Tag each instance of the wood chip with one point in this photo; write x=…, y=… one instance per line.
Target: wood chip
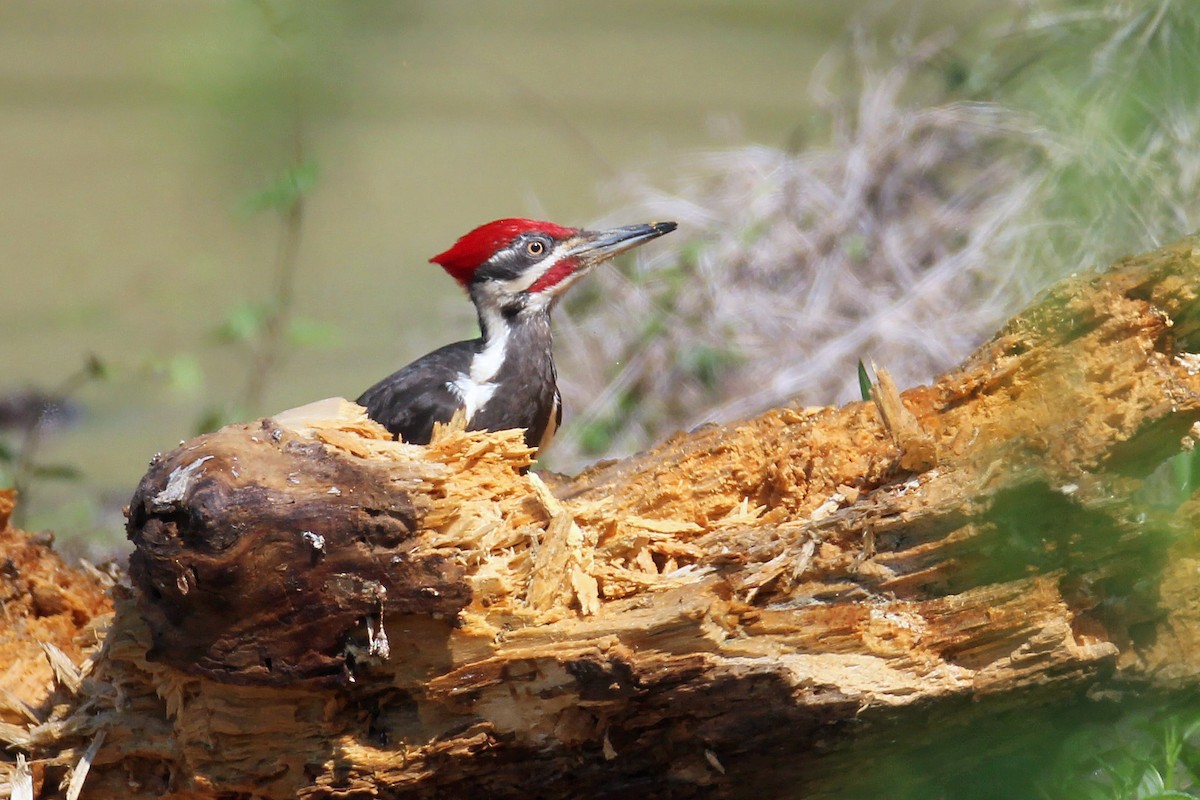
x=80, y=772
x=663, y=525
x=918, y=451
x=65, y=671
x=22, y=779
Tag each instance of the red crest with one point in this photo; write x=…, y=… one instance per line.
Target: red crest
x=474, y=248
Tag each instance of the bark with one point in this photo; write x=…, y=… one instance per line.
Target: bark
x=772, y=607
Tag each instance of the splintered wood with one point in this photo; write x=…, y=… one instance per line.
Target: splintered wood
x=918, y=451
x=528, y=560
x=319, y=611
x=47, y=611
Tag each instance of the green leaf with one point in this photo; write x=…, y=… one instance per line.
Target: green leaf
x=61, y=472
x=595, y=437
x=182, y=373
x=284, y=192
x=244, y=323
x=864, y=381
x=690, y=252
x=855, y=247
x=1183, y=470
x=753, y=232
x=707, y=364
x=96, y=368
x=1191, y=726
x=304, y=332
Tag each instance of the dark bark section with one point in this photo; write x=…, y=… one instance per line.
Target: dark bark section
x=261, y=558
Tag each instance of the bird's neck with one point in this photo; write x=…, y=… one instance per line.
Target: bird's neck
x=511, y=380
x=522, y=331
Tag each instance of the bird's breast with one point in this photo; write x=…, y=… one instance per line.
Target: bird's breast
x=477, y=386
x=510, y=381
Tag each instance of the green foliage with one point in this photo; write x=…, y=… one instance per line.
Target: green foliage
x=181, y=372
x=596, y=435
x=267, y=329
x=94, y=369
x=707, y=364
x=1116, y=89
x=1146, y=755
x=306, y=332
x=59, y=472
x=856, y=247
x=1185, y=473
x=267, y=67
x=864, y=381
x=285, y=192
x=244, y=323
x=248, y=323
x=1173, y=482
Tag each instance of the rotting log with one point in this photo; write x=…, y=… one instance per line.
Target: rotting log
x=317, y=611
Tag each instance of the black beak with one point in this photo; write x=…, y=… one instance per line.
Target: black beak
x=592, y=247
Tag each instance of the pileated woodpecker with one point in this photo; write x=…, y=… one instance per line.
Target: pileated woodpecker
x=513, y=270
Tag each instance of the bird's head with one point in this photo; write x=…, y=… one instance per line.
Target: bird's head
x=522, y=263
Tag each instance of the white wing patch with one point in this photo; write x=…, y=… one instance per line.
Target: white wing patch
x=476, y=387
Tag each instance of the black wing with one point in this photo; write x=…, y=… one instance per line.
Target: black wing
x=409, y=401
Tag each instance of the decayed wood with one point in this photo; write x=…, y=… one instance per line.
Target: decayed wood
x=320, y=612
x=46, y=609
x=259, y=549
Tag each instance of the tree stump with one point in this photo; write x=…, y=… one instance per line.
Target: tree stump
x=776, y=607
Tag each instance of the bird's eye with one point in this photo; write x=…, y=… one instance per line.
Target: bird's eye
x=535, y=248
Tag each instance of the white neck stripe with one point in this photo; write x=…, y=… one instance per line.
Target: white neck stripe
x=476, y=387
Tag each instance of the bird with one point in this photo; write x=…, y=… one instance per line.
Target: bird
x=513, y=270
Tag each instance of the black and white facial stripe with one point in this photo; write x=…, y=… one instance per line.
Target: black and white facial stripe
x=514, y=271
